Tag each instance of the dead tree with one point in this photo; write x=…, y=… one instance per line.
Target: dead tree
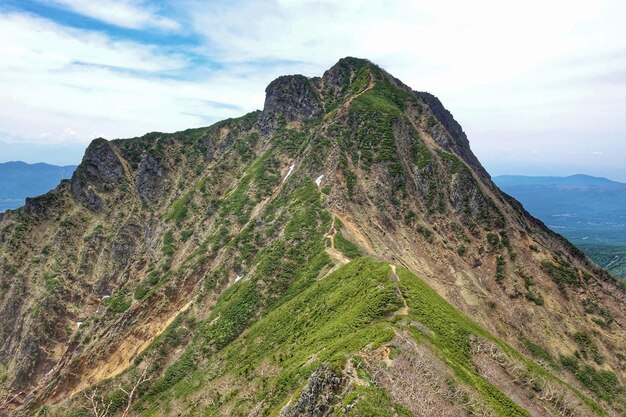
x=143, y=378
x=96, y=404
x=98, y=407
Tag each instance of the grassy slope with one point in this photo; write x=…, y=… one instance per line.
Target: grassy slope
x=330, y=321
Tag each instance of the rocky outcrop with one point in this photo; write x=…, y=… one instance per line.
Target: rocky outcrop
x=337, y=79
x=448, y=133
x=149, y=180
x=318, y=397
x=101, y=167
x=84, y=194
x=292, y=96
x=101, y=162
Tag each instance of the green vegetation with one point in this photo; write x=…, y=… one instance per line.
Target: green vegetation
x=539, y=352
x=605, y=318
x=3, y=374
x=421, y=154
x=561, y=274
x=51, y=282
x=453, y=162
x=346, y=247
x=530, y=294
x=249, y=345
x=263, y=173
x=409, y=217
x=376, y=111
x=245, y=146
x=607, y=255
x=424, y=231
x=500, y=265
x=179, y=209
x=316, y=321
x=587, y=347
x=604, y=384
x=371, y=401
x=117, y=303
x=450, y=333
x=535, y=298
x=168, y=244
x=185, y=235
x=290, y=141
x=493, y=240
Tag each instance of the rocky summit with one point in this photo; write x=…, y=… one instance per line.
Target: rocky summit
x=340, y=253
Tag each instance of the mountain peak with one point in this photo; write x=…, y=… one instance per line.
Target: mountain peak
x=279, y=252
x=299, y=97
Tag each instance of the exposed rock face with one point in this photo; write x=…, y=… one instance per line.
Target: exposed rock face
x=84, y=193
x=337, y=79
x=101, y=168
x=102, y=163
x=293, y=96
x=449, y=134
x=318, y=396
x=150, y=178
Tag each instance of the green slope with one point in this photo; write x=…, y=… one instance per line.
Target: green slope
x=334, y=320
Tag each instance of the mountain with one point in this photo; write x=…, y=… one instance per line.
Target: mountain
x=341, y=252
x=19, y=180
x=589, y=211
x=578, y=180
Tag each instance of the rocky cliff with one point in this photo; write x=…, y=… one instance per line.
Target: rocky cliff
x=341, y=252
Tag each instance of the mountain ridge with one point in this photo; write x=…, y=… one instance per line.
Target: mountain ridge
x=575, y=179
x=171, y=256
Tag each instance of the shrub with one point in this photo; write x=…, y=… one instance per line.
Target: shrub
x=168, y=244
x=346, y=247
x=535, y=298
x=118, y=303
x=500, y=264
x=562, y=275
x=538, y=352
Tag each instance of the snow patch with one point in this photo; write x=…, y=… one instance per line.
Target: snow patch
x=318, y=181
x=289, y=172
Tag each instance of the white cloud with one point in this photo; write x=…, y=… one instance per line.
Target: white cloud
x=130, y=14
x=28, y=42
x=53, y=78
x=519, y=77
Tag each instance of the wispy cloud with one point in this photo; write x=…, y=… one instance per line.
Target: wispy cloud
x=132, y=14
x=532, y=73
x=53, y=77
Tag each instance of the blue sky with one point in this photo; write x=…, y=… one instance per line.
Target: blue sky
x=539, y=87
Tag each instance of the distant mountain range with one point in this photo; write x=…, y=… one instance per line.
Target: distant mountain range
x=19, y=180
x=589, y=211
